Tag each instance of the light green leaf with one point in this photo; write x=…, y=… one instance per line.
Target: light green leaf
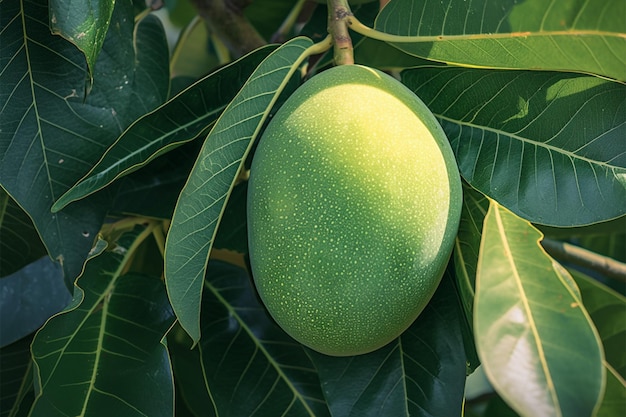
x=84, y=23
x=179, y=120
x=569, y=35
x=251, y=367
x=536, y=342
x=54, y=128
x=203, y=198
x=103, y=355
x=421, y=373
x=548, y=146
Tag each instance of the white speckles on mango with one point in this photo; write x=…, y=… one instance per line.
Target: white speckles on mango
x=354, y=201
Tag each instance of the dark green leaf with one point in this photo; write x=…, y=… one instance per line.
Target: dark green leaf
x=188, y=374
x=179, y=120
x=467, y=245
x=16, y=378
x=84, y=23
x=422, y=373
x=536, y=342
x=159, y=181
x=232, y=233
x=608, y=312
x=202, y=200
x=19, y=242
x=103, y=355
x=548, y=146
x=29, y=297
x=54, y=129
x=252, y=368
x=569, y=35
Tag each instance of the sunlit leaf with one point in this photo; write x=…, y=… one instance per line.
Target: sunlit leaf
x=54, y=128
x=19, y=242
x=571, y=35
x=84, y=23
x=548, y=146
x=179, y=120
x=536, y=342
x=252, y=368
x=201, y=202
x=103, y=355
x=421, y=373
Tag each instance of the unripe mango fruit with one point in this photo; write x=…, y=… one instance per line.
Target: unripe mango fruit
x=353, y=205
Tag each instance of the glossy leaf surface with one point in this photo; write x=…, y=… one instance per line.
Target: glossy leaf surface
x=251, y=367
x=570, y=35
x=536, y=342
x=202, y=200
x=19, y=242
x=179, y=120
x=54, y=128
x=110, y=333
x=548, y=146
x=84, y=23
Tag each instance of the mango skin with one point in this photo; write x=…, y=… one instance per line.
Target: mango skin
x=353, y=205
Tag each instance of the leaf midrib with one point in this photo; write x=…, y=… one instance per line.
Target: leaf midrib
x=531, y=321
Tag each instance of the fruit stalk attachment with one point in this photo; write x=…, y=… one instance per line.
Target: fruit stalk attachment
x=338, y=14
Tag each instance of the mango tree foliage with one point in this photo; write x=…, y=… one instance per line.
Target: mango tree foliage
x=123, y=177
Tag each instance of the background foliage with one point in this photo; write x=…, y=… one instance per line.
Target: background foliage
x=121, y=160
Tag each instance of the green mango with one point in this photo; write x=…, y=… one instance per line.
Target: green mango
x=353, y=206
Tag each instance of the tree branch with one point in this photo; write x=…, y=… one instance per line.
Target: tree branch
x=226, y=19
x=582, y=257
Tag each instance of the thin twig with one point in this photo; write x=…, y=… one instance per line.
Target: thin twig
x=576, y=255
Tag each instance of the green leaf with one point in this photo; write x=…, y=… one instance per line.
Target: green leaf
x=84, y=23
x=536, y=342
x=614, y=402
x=548, y=146
x=103, y=355
x=29, y=297
x=54, y=129
x=251, y=367
x=16, y=378
x=203, y=198
x=569, y=35
x=188, y=374
x=607, y=309
x=608, y=312
x=179, y=120
x=160, y=180
x=466, y=250
x=19, y=242
x=422, y=373
x=467, y=245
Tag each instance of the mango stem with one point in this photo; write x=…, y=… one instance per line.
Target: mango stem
x=338, y=14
